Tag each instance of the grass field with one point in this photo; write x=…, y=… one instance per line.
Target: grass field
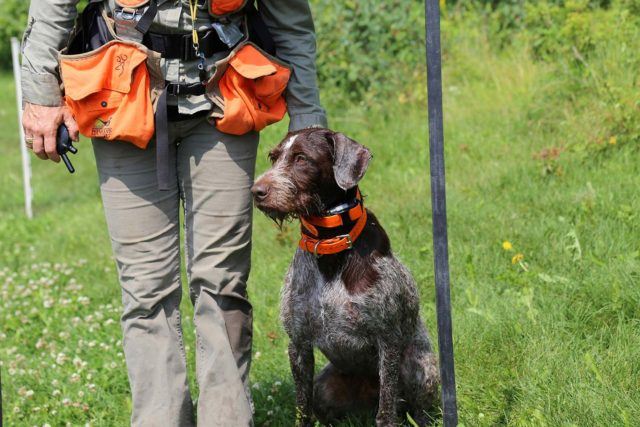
x=545, y=257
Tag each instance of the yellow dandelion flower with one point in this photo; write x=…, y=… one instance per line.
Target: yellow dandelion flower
x=517, y=258
x=613, y=140
x=507, y=246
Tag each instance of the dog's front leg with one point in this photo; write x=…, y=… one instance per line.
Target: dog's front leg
x=388, y=369
x=301, y=360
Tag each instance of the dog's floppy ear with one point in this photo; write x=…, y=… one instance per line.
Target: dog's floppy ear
x=350, y=160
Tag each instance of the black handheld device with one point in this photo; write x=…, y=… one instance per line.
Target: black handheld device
x=64, y=144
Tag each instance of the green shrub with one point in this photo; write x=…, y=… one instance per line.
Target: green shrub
x=367, y=48
x=13, y=20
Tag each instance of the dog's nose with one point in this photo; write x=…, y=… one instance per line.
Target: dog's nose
x=260, y=191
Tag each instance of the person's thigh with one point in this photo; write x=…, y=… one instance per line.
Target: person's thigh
x=143, y=223
x=216, y=173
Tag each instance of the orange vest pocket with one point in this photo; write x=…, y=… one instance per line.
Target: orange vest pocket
x=224, y=7
x=131, y=3
x=252, y=88
x=108, y=92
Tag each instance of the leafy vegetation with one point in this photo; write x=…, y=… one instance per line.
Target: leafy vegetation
x=541, y=111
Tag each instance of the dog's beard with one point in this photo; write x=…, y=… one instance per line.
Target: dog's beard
x=279, y=218
x=308, y=205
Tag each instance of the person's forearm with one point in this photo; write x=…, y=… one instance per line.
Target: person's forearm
x=291, y=25
x=49, y=26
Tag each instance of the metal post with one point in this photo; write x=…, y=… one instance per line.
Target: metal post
x=26, y=160
x=439, y=207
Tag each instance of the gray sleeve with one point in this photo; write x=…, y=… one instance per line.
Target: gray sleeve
x=291, y=26
x=49, y=26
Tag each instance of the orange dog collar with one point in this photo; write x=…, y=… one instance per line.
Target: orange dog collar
x=311, y=241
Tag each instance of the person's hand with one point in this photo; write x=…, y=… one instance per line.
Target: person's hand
x=41, y=124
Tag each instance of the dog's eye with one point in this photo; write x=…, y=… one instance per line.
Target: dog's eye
x=300, y=158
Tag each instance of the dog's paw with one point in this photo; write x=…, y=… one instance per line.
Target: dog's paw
x=302, y=419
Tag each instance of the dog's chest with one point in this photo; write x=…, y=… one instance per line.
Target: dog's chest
x=324, y=312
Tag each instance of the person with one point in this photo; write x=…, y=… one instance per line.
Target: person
x=211, y=173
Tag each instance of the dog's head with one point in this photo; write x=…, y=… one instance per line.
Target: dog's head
x=311, y=170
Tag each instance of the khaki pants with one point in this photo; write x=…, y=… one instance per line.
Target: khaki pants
x=212, y=175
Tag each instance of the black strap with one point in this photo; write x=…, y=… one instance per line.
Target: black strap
x=147, y=17
x=439, y=207
x=185, y=89
x=258, y=31
x=162, y=143
x=180, y=46
x=163, y=115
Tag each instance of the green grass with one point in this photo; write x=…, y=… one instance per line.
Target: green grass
x=552, y=339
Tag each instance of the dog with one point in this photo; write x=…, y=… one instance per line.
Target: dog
x=345, y=292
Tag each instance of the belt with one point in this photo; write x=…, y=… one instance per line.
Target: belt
x=180, y=46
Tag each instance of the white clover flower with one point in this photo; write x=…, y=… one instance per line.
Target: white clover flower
x=61, y=358
x=256, y=386
x=277, y=384
x=257, y=355
x=77, y=362
x=75, y=377
x=56, y=392
x=40, y=344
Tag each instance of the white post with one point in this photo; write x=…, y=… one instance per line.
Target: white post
x=26, y=159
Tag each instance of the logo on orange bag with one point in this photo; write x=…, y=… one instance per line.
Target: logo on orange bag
x=121, y=60
x=101, y=128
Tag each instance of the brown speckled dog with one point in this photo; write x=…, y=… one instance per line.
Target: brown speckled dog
x=359, y=306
